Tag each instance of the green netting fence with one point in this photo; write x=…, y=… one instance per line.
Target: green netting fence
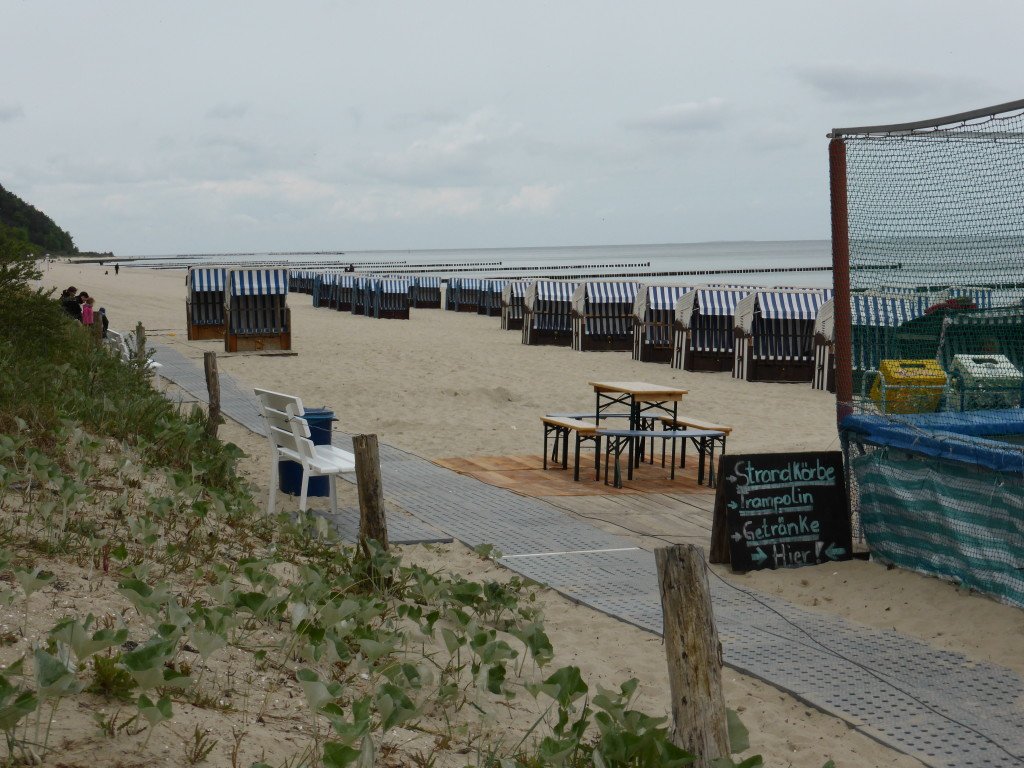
x=928, y=239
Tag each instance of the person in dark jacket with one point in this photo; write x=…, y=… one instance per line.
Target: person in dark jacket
x=69, y=300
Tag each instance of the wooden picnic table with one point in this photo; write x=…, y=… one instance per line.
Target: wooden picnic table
x=640, y=397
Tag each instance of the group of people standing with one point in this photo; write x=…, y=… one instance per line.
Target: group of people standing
x=80, y=306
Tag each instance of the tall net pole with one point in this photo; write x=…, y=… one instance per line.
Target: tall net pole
x=841, y=277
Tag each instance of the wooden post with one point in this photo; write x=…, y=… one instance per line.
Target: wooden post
x=372, y=523
x=213, y=389
x=699, y=722
x=140, y=342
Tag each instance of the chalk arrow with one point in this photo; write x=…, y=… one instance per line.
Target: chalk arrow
x=731, y=478
x=835, y=552
x=733, y=505
x=759, y=556
x=736, y=537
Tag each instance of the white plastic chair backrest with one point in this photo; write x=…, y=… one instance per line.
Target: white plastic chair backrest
x=288, y=432
x=279, y=410
x=279, y=401
x=300, y=431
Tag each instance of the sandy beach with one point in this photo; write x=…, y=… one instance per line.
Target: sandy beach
x=448, y=384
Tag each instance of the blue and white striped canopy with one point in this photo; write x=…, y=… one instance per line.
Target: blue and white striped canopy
x=428, y=282
x=495, y=286
x=518, y=288
x=982, y=297
x=469, y=283
x=719, y=303
x=259, y=282
x=886, y=311
x=553, y=290
x=391, y=286
x=207, y=278
x=791, y=306
x=661, y=297
x=612, y=293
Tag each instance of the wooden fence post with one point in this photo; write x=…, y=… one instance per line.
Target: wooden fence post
x=140, y=342
x=699, y=722
x=213, y=388
x=372, y=524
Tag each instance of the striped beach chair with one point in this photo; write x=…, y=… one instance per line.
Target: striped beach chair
x=602, y=315
x=774, y=334
x=256, y=308
x=490, y=298
x=653, y=317
x=361, y=295
x=204, y=305
x=464, y=294
x=824, y=348
x=388, y=298
x=426, y=292
x=512, y=304
x=702, y=334
x=547, y=312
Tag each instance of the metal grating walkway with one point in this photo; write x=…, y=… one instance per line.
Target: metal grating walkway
x=936, y=705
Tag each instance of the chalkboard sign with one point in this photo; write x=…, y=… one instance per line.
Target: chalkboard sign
x=780, y=510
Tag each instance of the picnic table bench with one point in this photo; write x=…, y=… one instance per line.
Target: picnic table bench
x=620, y=440
x=561, y=427
x=690, y=422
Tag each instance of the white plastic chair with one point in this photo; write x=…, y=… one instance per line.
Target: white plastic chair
x=288, y=434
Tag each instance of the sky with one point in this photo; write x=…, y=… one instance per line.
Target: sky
x=151, y=128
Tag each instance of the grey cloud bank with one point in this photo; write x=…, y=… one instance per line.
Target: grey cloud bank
x=151, y=129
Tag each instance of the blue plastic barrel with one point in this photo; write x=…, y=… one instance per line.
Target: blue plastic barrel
x=320, y=422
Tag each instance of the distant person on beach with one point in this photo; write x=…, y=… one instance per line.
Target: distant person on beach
x=350, y=268
x=117, y=268
x=87, y=311
x=69, y=300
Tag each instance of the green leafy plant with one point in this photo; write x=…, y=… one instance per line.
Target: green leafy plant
x=111, y=679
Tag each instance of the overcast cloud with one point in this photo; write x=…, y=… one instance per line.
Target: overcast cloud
x=156, y=128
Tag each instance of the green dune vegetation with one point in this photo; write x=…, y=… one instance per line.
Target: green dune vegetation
x=149, y=612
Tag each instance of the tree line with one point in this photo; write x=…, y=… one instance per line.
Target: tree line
x=26, y=226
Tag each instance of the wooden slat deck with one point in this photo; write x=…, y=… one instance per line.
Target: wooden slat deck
x=650, y=509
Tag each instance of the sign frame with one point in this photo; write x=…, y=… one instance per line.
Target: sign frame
x=781, y=510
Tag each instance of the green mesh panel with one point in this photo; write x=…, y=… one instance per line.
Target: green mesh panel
x=935, y=222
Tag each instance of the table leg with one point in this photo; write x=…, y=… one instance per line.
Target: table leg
x=618, y=466
x=701, y=448
x=545, y=453
x=576, y=460
x=633, y=421
x=672, y=472
x=565, y=449
x=597, y=458
x=711, y=457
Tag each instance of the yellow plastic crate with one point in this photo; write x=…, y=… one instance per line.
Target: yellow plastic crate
x=908, y=386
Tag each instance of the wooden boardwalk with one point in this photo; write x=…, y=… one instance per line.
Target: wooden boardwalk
x=652, y=509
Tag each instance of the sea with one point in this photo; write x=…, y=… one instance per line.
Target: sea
x=783, y=263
